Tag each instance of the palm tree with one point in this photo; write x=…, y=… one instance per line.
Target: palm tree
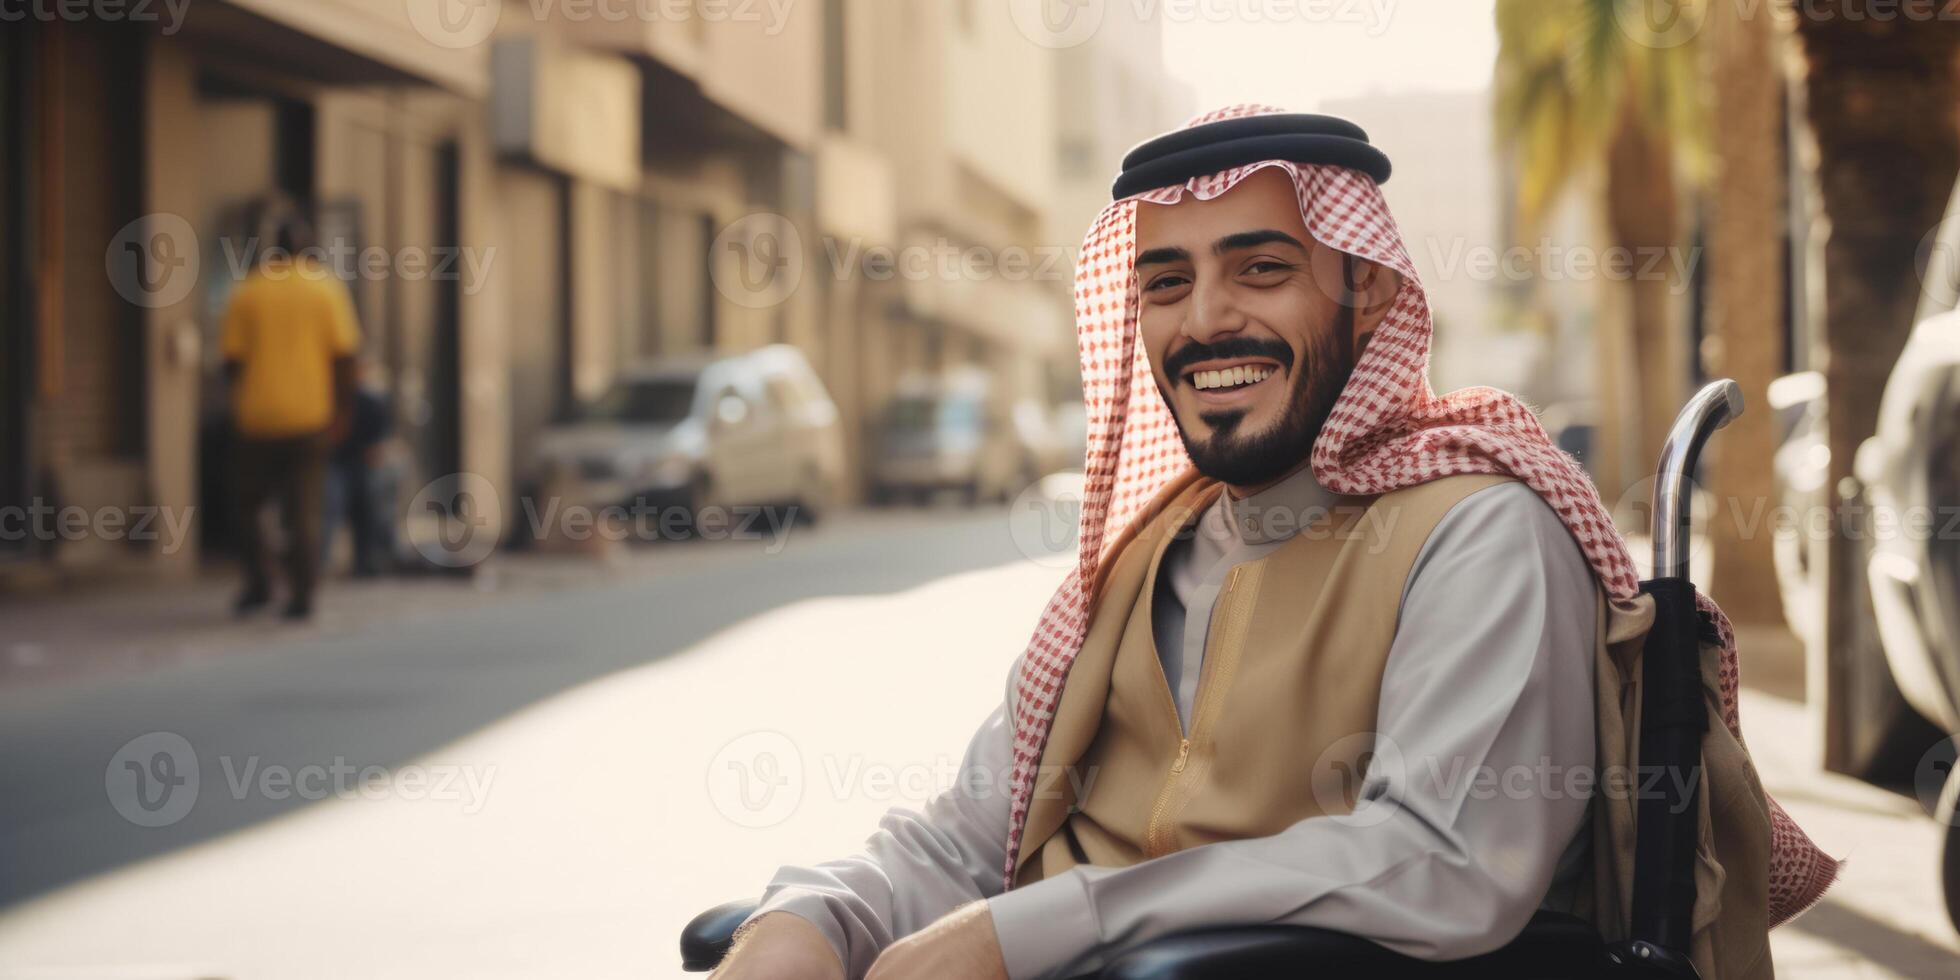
x=1581, y=88
x=1880, y=93
x=1745, y=298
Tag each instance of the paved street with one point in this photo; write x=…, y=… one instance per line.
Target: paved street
x=561, y=776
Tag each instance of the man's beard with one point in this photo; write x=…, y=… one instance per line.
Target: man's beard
x=1314, y=386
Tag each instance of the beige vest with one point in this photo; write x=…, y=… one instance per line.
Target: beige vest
x=1244, y=769
x=1287, y=701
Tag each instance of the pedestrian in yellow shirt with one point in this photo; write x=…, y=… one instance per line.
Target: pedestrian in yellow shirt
x=289, y=342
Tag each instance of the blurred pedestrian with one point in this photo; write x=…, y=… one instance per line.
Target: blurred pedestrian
x=289, y=341
x=353, y=476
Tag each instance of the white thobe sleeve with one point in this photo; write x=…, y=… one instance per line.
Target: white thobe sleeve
x=919, y=865
x=1490, y=672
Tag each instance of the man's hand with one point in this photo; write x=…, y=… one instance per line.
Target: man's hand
x=780, y=946
x=960, y=946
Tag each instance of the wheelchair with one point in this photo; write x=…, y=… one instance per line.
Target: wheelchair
x=1553, y=945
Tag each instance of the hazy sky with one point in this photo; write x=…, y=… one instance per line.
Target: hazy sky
x=1296, y=53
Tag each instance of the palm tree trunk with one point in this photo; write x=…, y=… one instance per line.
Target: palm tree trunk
x=1745, y=303
x=1640, y=208
x=1881, y=93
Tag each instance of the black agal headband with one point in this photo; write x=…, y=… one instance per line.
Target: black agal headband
x=1300, y=137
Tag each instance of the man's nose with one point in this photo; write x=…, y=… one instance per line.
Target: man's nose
x=1215, y=314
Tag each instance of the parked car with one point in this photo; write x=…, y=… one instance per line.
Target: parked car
x=1910, y=471
x=754, y=429
x=958, y=433
x=1899, y=683
x=1883, y=736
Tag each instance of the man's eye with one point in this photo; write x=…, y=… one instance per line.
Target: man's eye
x=1263, y=266
x=1164, y=282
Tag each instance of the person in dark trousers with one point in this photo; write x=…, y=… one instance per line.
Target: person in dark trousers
x=289, y=340
x=351, y=492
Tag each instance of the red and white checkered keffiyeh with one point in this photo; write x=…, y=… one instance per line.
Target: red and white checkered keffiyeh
x=1388, y=430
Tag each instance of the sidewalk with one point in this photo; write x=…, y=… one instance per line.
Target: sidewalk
x=69, y=625
x=1884, y=918
x=65, y=630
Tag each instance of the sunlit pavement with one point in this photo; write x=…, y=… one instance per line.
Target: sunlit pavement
x=590, y=718
x=563, y=771
x=1884, y=918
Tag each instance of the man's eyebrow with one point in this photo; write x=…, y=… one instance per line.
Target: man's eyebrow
x=1233, y=242
x=1254, y=239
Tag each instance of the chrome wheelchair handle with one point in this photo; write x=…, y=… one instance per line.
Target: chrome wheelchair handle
x=1717, y=404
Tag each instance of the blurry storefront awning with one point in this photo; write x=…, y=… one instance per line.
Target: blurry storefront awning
x=567, y=110
x=351, y=41
x=762, y=63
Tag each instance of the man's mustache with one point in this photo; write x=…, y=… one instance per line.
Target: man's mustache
x=1197, y=352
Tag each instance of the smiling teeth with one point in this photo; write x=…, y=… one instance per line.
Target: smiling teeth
x=1230, y=377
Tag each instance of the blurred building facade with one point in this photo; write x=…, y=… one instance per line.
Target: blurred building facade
x=1111, y=93
x=534, y=195
x=1451, y=225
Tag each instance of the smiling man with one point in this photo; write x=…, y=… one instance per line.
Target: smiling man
x=1331, y=664
x=1264, y=313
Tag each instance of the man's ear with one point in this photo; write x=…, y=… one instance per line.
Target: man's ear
x=1374, y=289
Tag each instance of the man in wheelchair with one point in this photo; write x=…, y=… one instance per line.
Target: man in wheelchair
x=1343, y=658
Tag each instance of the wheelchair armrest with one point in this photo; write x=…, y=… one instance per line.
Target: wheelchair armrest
x=709, y=935
x=1552, y=947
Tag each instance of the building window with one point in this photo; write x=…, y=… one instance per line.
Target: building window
x=705, y=305
x=676, y=283
x=836, y=95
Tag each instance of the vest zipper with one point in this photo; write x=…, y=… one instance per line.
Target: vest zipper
x=1158, y=837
